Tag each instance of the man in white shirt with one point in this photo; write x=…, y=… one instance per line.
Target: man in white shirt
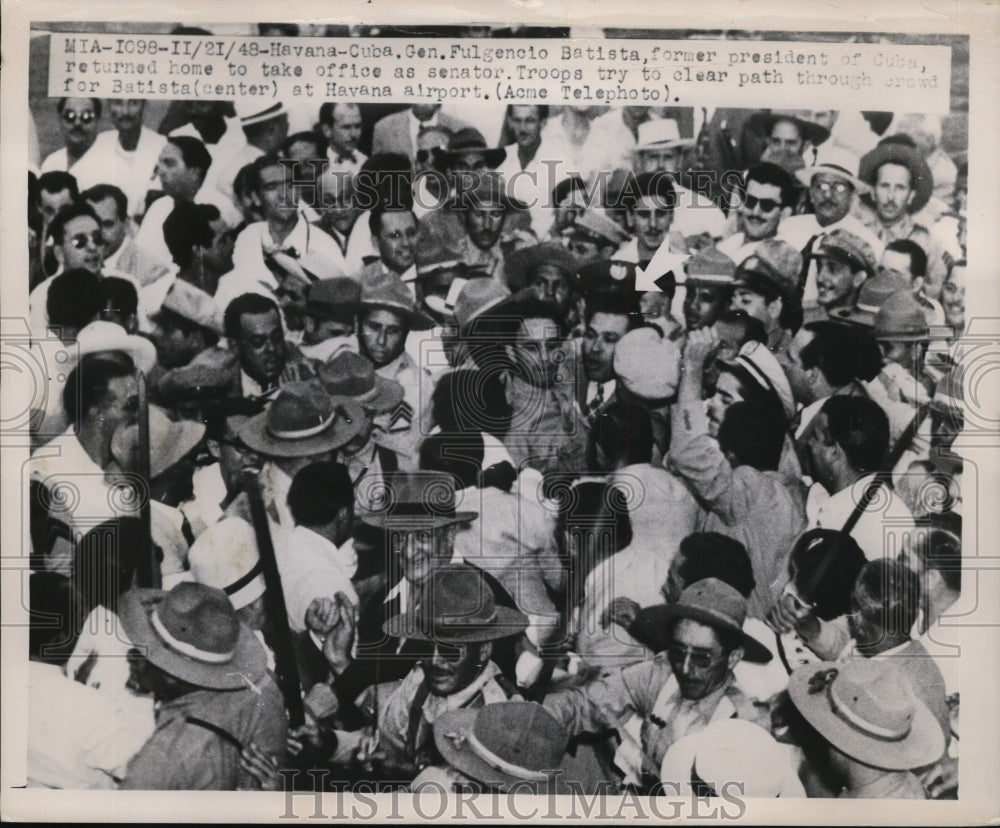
x=182, y=169
x=340, y=124
x=398, y=132
x=766, y=200
x=525, y=172
x=125, y=156
x=265, y=126
x=284, y=253
x=78, y=119
x=221, y=135
x=841, y=450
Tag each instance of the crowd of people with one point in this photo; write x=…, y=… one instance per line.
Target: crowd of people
x=514, y=448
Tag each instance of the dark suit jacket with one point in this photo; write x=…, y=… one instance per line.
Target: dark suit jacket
x=392, y=133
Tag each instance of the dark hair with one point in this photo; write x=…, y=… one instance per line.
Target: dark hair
x=99, y=192
x=87, y=384
x=385, y=178
x=261, y=163
x=61, y=105
x=55, y=181
x=593, y=507
x=918, y=256
x=457, y=454
x=375, y=217
x=286, y=29
x=655, y=185
x=193, y=152
x=888, y=591
x=74, y=298
x=253, y=304
x=319, y=491
x=750, y=389
x=860, y=427
x=309, y=137
x=753, y=329
x=832, y=595
x=57, y=227
x=765, y=172
x=941, y=551
x=531, y=307
x=467, y=401
x=189, y=226
x=622, y=431
x=105, y=561
x=326, y=111
x=120, y=294
x=615, y=303
x=755, y=433
x=543, y=110
x=714, y=555
x=55, y=619
x=841, y=352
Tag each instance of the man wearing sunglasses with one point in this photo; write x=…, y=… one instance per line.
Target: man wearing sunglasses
x=768, y=194
x=681, y=691
x=78, y=119
x=77, y=244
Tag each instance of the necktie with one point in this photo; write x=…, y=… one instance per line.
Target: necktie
x=594, y=406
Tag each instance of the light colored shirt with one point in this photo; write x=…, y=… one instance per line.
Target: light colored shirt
x=133, y=172
x=312, y=567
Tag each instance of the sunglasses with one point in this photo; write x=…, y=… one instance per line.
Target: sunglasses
x=80, y=240
x=449, y=652
x=827, y=187
x=766, y=204
x=649, y=215
x=82, y=117
x=699, y=658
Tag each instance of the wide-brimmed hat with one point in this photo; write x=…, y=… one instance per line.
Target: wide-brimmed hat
x=417, y=500
x=99, y=336
x=732, y=750
x=836, y=161
x=477, y=297
x=347, y=374
x=902, y=319
x=169, y=441
x=336, y=299
x=521, y=265
x=464, y=142
x=774, y=266
x=890, y=152
x=503, y=744
x=251, y=111
x=867, y=709
x=843, y=246
x=871, y=297
x=660, y=133
x=812, y=132
x=192, y=632
x=461, y=609
x=303, y=420
x=193, y=305
x=708, y=601
x=232, y=565
x=709, y=268
x=387, y=290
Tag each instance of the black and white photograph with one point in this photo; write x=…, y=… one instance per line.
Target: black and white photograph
x=501, y=414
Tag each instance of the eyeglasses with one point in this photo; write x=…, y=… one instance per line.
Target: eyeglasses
x=701, y=659
x=826, y=187
x=80, y=240
x=766, y=204
x=82, y=117
x=449, y=652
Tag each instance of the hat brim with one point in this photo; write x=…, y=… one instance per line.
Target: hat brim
x=805, y=177
x=248, y=663
x=508, y=622
x=451, y=737
x=522, y=262
x=812, y=132
x=661, y=145
x=923, y=745
x=415, y=318
x=921, y=177
x=901, y=336
x=255, y=435
x=707, y=281
x=650, y=628
x=390, y=394
x=414, y=522
x=853, y=316
x=186, y=435
x=141, y=351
